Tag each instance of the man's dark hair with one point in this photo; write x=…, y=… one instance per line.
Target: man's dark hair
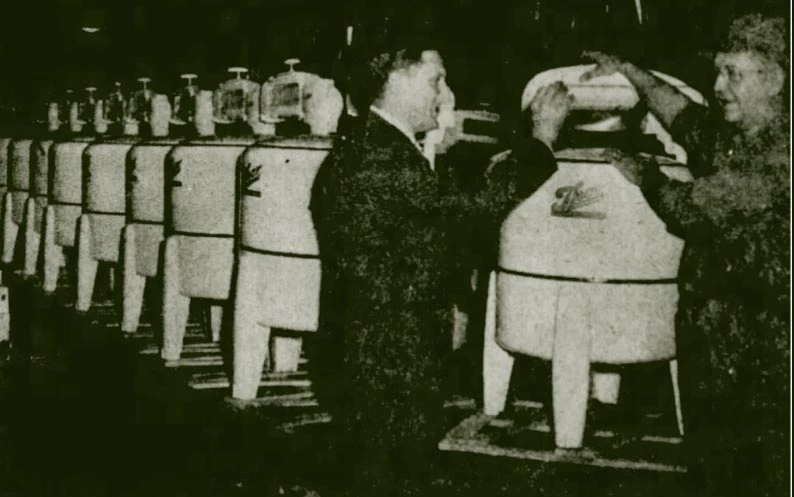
x=370, y=72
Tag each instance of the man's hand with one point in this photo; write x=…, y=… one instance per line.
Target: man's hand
x=549, y=108
x=451, y=136
x=606, y=64
x=448, y=133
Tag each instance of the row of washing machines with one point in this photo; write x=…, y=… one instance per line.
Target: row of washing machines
x=231, y=213
x=586, y=272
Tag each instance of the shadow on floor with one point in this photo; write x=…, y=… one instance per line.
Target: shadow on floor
x=83, y=413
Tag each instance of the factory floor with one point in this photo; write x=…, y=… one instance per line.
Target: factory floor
x=86, y=411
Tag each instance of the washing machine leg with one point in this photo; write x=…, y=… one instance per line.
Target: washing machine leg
x=112, y=275
x=460, y=326
x=5, y=315
x=216, y=321
x=175, y=305
x=286, y=353
x=3, y=210
x=679, y=415
x=570, y=370
x=133, y=284
x=32, y=239
x=10, y=230
x=497, y=362
x=606, y=387
x=53, y=254
x=86, y=265
x=250, y=338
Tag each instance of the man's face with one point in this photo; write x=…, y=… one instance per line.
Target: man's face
x=744, y=87
x=420, y=87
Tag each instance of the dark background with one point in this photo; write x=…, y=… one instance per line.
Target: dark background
x=492, y=46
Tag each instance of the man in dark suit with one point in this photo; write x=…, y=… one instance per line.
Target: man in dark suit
x=387, y=225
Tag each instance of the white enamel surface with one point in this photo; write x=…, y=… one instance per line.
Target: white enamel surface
x=67, y=182
x=67, y=187
x=4, y=143
x=19, y=176
x=147, y=181
x=203, y=189
x=106, y=174
x=630, y=242
x=279, y=218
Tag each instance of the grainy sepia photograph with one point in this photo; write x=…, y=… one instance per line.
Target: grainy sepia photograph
x=395, y=248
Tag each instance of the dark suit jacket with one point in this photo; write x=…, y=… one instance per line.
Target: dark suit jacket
x=389, y=232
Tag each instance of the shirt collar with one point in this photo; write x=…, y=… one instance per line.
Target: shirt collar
x=397, y=124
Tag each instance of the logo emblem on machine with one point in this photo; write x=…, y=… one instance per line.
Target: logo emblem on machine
x=40, y=151
x=132, y=164
x=251, y=175
x=571, y=199
x=174, y=168
x=39, y=157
